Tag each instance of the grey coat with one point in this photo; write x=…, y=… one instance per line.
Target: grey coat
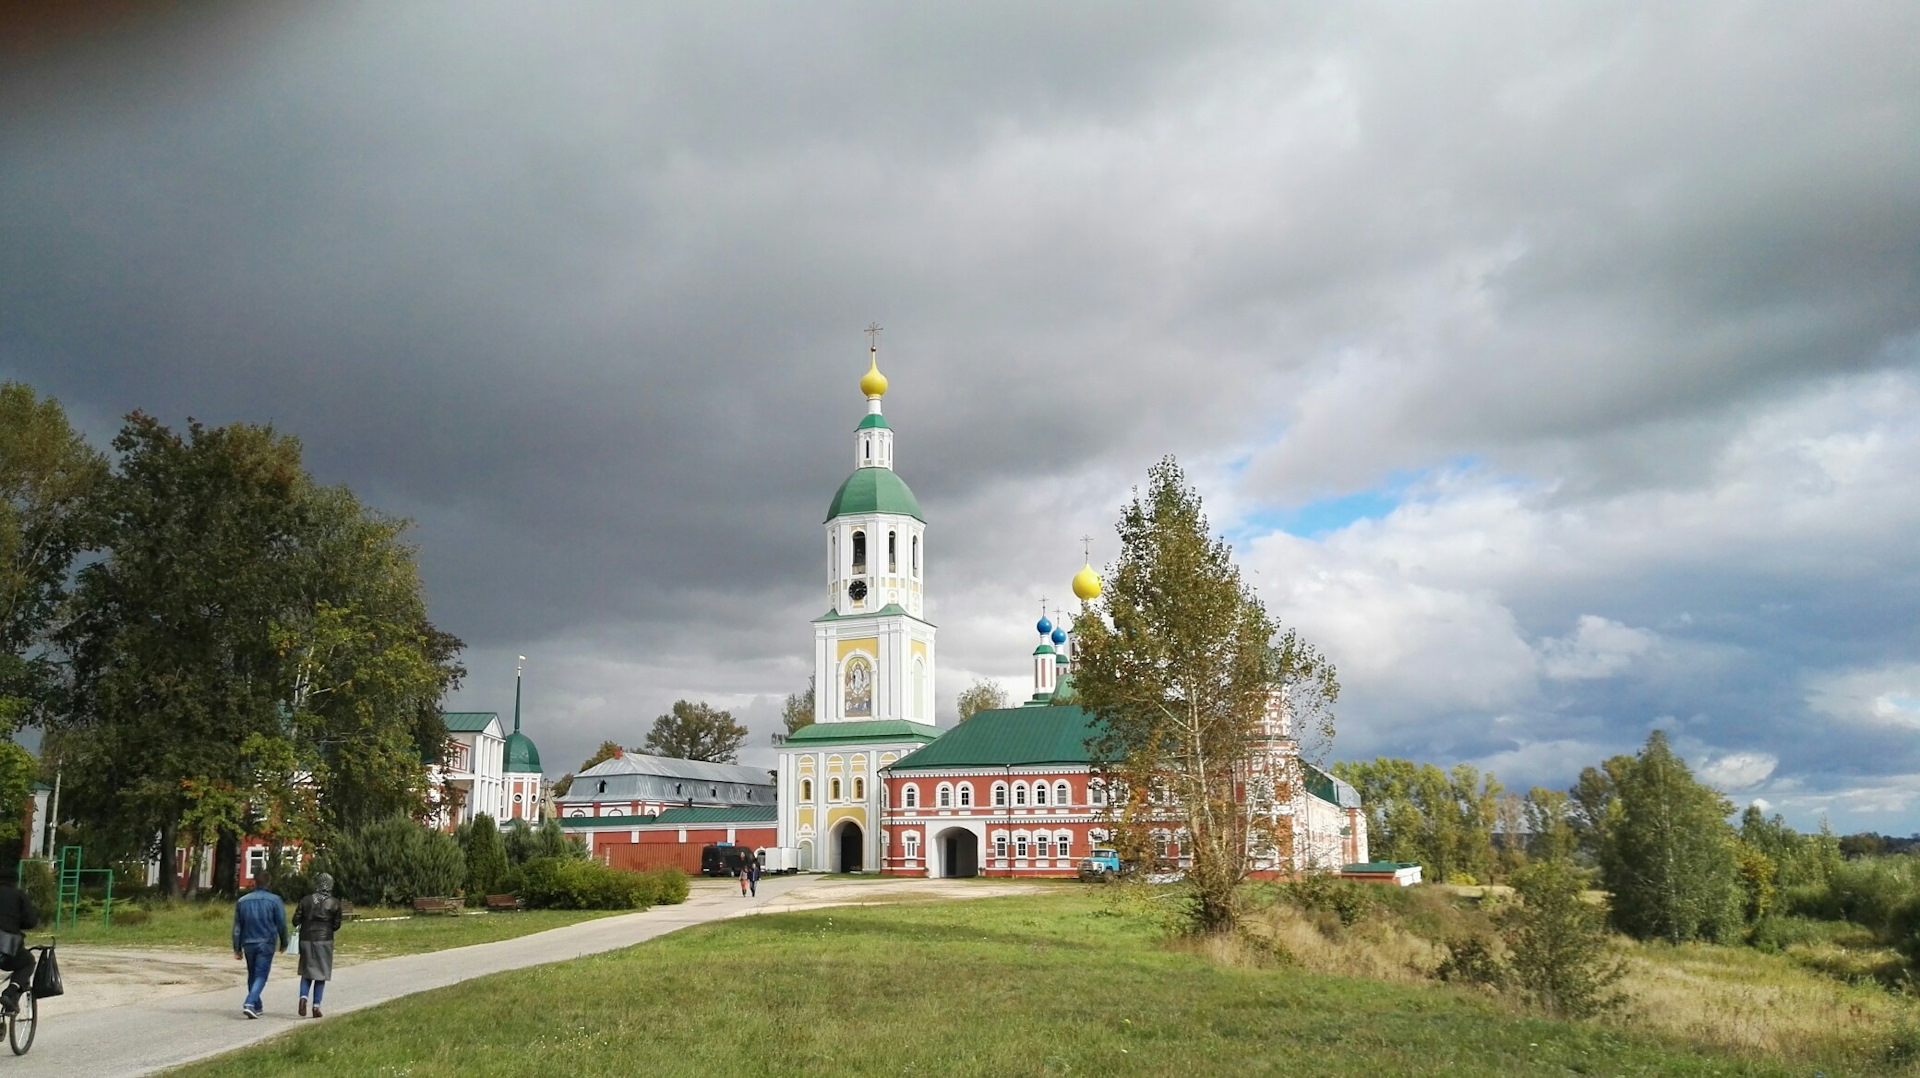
x=317, y=918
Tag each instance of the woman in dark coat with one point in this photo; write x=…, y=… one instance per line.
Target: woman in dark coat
x=318, y=918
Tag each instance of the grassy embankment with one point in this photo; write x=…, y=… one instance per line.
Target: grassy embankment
x=1064, y=983
x=369, y=935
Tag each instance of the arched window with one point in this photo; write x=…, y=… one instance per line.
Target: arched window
x=859, y=789
x=869, y=449
x=966, y=795
x=859, y=553
x=1019, y=793
x=916, y=557
x=1043, y=844
x=893, y=553
x=1039, y=793
x=1096, y=792
x=603, y=786
x=910, y=797
x=833, y=789
x=946, y=796
x=1000, y=845
x=806, y=789
x=999, y=795
x=1020, y=846
x=1062, y=794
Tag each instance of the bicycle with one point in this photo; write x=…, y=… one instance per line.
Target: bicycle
x=28, y=1014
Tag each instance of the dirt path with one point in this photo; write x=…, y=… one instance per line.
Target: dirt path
x=131, y=1011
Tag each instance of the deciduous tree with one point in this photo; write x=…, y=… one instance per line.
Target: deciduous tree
x=798, y=709
x=1179, y=661
x=1670, y=859
x=696, y=731
x=984, y=694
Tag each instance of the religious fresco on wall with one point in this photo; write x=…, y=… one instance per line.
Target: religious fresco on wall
x=859, y=697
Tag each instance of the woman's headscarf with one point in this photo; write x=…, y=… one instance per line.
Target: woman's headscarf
x=323, y=886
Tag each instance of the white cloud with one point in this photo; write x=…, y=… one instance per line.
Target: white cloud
x=1599, y=647
x=1738, y=770
x=1887, y=696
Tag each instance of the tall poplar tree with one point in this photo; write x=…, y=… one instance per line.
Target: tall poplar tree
x=1178, y=659
x=1670, y=858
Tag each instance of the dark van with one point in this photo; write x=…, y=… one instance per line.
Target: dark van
x=723, y=859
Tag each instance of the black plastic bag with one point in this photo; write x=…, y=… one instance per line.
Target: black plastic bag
x=46, y=977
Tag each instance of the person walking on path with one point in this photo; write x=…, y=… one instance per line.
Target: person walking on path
x=317, y=917
x=753, y=876
x=743, y=879
x=259, y=929
x=17, y=915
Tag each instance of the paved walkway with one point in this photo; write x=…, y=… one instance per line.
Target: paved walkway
x=165, y=1032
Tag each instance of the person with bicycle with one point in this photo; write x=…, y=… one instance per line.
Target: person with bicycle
x=17, y=917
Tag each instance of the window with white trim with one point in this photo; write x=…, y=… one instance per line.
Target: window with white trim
x=859, y=789
x=1039, y=793
x=1063, y=842
x=966, y=795
x=1062, y=794
x=806, y=789
x=1096, y=792
x=1043, y=845
x=945, y=794
x=256, y=862
x=1019, y=793
x=1020, y=846
x=1000, y=795
x=912, y=842
x=910, y=796
x=833, y=789
x=1000, y=846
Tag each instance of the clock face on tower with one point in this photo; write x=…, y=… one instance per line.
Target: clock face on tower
x=857, y=590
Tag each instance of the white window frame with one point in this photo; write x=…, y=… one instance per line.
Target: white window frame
x=943, y=795
x=910, y=796
x=963, y=795
x=1062, y=793
x=999, y=795
x=1039, y=793
x=1019, y=795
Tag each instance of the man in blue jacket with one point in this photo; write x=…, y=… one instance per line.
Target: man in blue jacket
x=259, y=931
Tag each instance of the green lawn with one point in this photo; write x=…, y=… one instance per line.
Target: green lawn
x=1050, y=984
x=374, y=933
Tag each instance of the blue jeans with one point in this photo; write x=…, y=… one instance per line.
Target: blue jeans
x=259, y=961
x=319, y=989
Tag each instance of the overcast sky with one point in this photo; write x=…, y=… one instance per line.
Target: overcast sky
x=1555, y=368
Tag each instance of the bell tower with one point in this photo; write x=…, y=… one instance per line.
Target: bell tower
x=873, y=648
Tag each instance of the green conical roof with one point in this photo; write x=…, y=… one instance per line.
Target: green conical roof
x=521, y=754
x=874, y=490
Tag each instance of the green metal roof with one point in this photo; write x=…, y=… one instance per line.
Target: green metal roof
x=874, y=490
x=875, y=420
x=521, y=753
x=1011, y=737
x=867, y=730
x=744, y=814
x=468, y=722
x=1380, y=866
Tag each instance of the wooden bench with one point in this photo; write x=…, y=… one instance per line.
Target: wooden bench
x=439, y=905
x=346, y=910
x=505, y=902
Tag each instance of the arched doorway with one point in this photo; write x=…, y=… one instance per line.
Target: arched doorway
x=851, y=847
x=959, y=852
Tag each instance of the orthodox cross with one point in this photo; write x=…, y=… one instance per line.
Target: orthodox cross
x=873, y=336
x=1086, y=549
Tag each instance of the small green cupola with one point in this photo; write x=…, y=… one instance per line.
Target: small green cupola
x=522, y=755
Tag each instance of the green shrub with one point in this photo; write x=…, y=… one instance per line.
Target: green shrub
x=1346, y=899
x=36, y=879
x=666, y=886
x=561, y=883
x=393, y=861
x=133, y=915
x=1470, y=960
x=486, y=857
x=1777, y=932
x=1558, y=944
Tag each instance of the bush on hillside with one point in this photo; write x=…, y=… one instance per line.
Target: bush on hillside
x=1557, y=944
x=667, y=886
x=392, y=862
x=1348, y=900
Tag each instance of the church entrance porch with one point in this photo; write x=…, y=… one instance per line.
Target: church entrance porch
x=849, y=845
x=959, y=852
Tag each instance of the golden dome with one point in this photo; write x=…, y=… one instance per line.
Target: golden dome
x=1086, y=583
x=873, y=383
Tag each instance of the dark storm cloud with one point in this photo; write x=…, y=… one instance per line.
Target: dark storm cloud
x=579, y=289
